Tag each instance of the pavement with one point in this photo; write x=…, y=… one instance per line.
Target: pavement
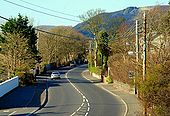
x=23, y=100
x=132, y=103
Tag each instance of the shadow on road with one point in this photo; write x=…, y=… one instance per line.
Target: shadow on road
x=27, y=96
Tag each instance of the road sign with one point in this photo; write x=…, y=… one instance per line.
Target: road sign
x=131, y=74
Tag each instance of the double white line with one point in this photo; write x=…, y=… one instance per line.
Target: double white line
x=84, y=98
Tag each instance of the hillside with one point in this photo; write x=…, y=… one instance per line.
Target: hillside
x=129, y=14
x=45, y=27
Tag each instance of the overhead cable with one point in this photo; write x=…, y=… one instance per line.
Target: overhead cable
x=40, y=11
x=48, y=9
x=47, y=31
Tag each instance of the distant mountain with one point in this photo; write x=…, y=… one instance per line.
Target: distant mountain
x=45, y=27
x=129, y=14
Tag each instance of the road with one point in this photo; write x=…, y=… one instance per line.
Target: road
x=73, y=95
x=22, y=100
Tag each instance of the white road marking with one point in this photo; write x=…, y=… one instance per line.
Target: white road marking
x=126, y=111
x=83, y=96
x=87, y=100
x=78, y=109
x=88, y=104
x=12, y=113
x=88, y=109
x=86, y=114
x=86, y=77
x=6, y=111
x=126, y=106
x=73, y=114
x=82, y=104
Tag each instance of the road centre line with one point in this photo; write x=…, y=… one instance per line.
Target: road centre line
x=82, y=104
x=84, y=97
x=86, y=113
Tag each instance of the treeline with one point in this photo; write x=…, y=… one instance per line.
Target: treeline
x=24, y=49
x=60, y=49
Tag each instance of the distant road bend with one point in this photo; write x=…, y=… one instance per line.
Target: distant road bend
x=73, y=95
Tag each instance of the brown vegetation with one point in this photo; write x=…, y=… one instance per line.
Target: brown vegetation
x=154, y=92
x=61, y=50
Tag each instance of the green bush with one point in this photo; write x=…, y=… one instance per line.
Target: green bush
x=1, y=71
x=25, y=78
x=155, y=90
x=109, y=79
x=96, y=70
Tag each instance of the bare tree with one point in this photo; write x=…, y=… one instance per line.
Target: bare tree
x=93, y=22
x=61, y=48
x=15, y=55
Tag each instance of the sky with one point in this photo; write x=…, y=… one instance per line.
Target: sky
x=71, y=7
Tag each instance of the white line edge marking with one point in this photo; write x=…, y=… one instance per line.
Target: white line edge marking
x=126, y=106
x=5, y=110
x=84, y=98
x=126, y=111
x=12, y=113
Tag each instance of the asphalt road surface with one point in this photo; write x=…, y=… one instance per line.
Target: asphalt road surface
x=73, y=95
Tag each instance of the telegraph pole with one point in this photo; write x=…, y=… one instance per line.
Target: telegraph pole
x=90, y=52
x=137, y=55
x=95, y=57
x=144, y=57
x=95, y=54
x=144, y=47
x=137, y=42
x=38, y=36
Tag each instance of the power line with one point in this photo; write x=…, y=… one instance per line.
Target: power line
x=48, y=9
x=4, y=18
x=56, y=34
x=40, y=11
x=127, y=33
x=46, y=31
x=130, y=32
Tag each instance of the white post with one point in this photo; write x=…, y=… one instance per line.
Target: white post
x=108, y=71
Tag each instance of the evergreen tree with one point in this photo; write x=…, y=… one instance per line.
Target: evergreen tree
x=21, y=26
x=102, y=43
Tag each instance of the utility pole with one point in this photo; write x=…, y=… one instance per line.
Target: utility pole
x=137, y=55
x=144, y=47
x=38, y=36
x=144, y=57
x=95, y=57
x=90, y=52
